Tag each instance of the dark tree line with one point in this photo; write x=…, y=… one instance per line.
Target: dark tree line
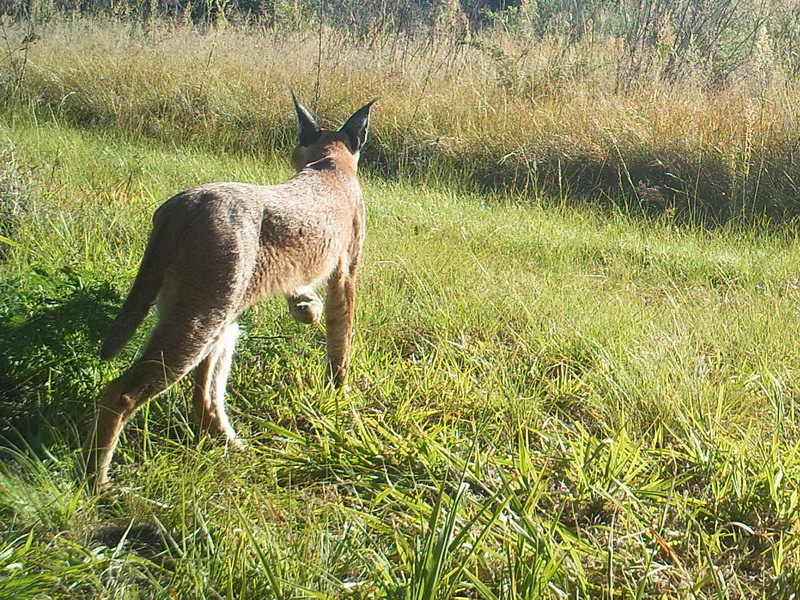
x=394, y=14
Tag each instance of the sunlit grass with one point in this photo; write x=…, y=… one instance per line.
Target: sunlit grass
x=545, y=402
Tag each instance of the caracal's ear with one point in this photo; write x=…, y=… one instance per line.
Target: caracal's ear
x=309, y=130
x=356, y=127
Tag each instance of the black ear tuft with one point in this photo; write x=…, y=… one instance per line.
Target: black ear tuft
x=356, y=127
x=309, y=130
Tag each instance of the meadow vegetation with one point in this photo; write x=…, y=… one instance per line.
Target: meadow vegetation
x=566, y=384
x=708, y=132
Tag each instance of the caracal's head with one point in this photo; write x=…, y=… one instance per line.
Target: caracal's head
x=316, y=143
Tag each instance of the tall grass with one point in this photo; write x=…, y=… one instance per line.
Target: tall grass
x=489, y=111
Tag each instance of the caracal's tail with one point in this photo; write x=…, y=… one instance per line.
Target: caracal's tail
x=141, y=297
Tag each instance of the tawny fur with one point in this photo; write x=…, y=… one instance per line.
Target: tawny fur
x=219, y=248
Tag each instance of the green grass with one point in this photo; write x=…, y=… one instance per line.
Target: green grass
x=545, y=402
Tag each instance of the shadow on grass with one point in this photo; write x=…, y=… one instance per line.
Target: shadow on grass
x=143, y=539
x=50, y=328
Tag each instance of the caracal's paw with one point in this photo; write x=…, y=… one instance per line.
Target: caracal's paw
x=237, y=444
x=306, y=307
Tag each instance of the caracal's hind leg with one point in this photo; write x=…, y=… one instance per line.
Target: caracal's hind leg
x=305, y=305
x=210, y=379
x=178, y=343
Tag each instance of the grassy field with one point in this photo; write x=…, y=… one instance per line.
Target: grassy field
x=545, y=402
x=491, y=112
x=547, y=399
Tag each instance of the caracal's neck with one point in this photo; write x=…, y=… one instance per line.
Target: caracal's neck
x=333, y=157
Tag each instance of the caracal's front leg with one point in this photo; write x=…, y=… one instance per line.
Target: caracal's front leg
x=339, y=315
x=305, y=305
